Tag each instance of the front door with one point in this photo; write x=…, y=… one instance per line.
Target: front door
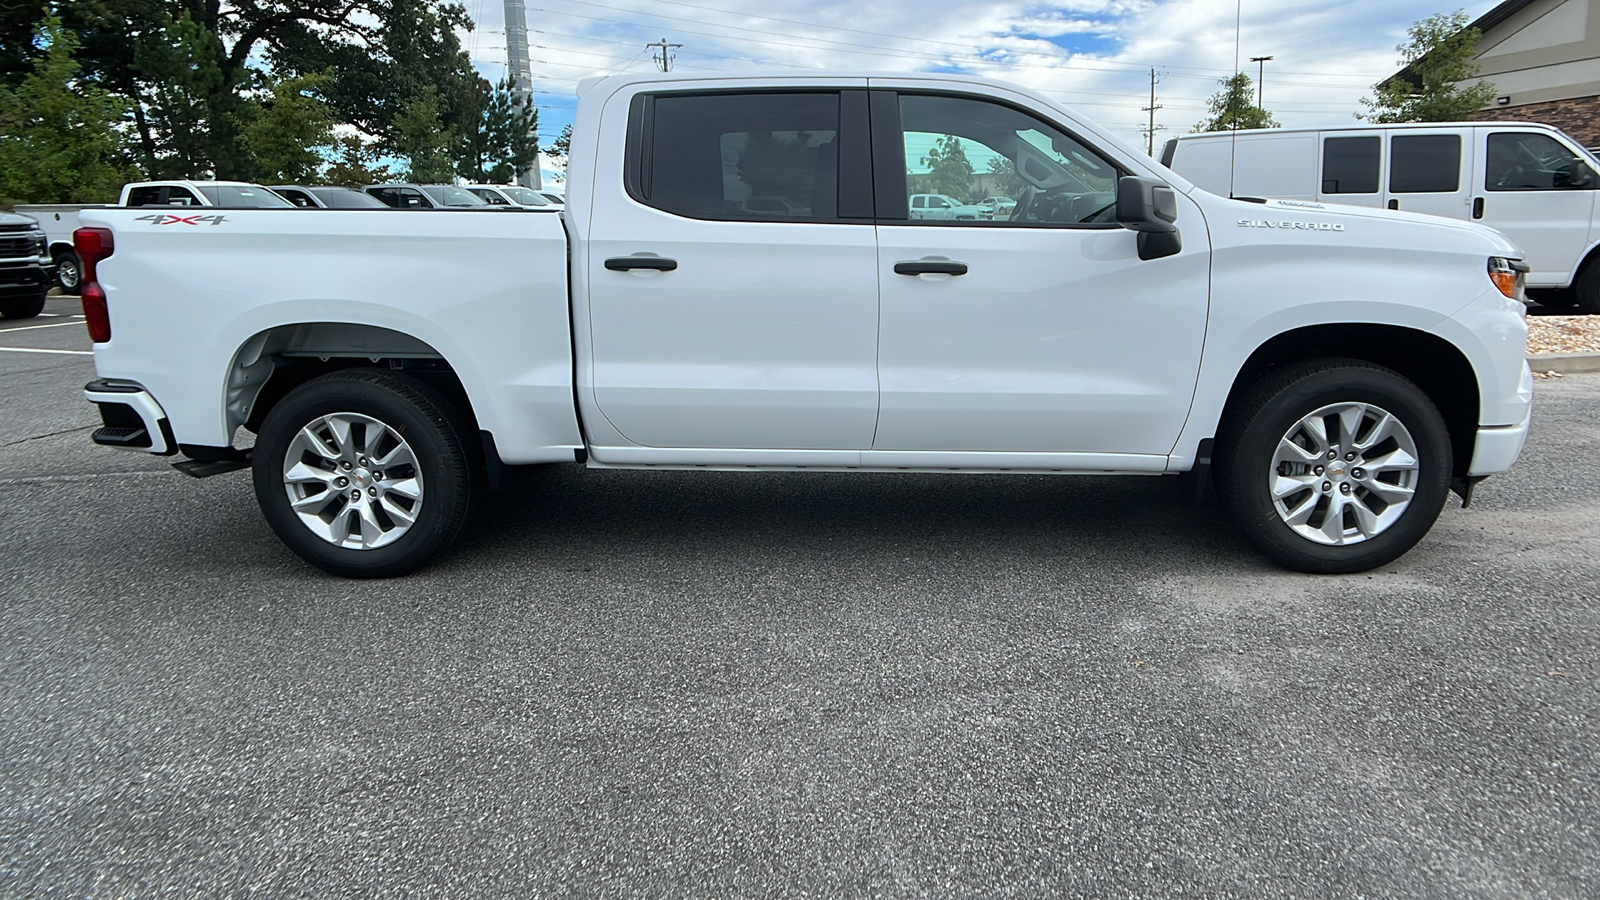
x=1541, y=193
x=1043, y=332
x=733, y=292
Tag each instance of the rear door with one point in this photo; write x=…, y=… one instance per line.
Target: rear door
x=1541, y=193
x=1430, y=172
x=733, y=293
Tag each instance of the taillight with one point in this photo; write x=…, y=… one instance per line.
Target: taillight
x=94, y=245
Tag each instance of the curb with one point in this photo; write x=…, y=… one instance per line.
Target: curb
x=1565, y=363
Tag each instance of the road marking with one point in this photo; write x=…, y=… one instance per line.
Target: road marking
x=37, y=350
x=31, y=327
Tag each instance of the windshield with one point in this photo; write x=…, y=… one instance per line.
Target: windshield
x=243, y=196
x=450, y=195
x=339, y=198
x=524, y=196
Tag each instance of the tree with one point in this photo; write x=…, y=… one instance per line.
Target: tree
x=420, y=136
x=1007, y=182
x=60, y=139
x=1437, y=58
x=558, y=150
x=949, y=170
x=287, y=131
x=355, y=164
x=193, y=112
x=505, y=141
x=1231, y=107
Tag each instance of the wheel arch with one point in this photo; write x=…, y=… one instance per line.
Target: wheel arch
x=1435, y=365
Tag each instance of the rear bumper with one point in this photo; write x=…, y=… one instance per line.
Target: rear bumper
x=133, y=419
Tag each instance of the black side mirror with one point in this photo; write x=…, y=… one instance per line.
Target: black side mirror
x=1150, y=208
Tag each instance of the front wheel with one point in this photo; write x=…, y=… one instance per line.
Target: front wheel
x=364, y=473
x=1334, y=465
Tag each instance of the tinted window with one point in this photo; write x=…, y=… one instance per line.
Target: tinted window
x=402, y=198
x=1534, y=162
x=490, y=197
x=1350, y=165
x=298, y=198
x=962, y=149
x=183, y=197
x=1424, y=163
x=745, y=156
x=450, y=195
x=524, y=196
x=237, y=197
x=144, y=196
x=340, y=198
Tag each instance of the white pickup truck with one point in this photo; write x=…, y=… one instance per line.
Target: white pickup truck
x=736, y=283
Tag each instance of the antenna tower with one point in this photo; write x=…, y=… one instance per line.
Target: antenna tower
x=521, y=75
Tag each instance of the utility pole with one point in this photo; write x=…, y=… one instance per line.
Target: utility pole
x=1261, y=75
x=521, y=77
x=666, y=56
x=1151, y=109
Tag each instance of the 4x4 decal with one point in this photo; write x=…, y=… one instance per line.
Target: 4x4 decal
x=170, y=219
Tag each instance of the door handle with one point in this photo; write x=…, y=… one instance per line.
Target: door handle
x=626, y=263
x=930, y=267
x=1477, y=207
x=1394, y=204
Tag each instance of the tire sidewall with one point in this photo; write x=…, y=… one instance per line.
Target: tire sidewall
x=1257, y=443
x=66, y=259
x=443, y=486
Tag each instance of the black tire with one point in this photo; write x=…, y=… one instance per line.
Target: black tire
x=69, y=273
x=1587, y=288
x=22, y=307
x=1554, y=298
x=1252, y=430
x=437, y=434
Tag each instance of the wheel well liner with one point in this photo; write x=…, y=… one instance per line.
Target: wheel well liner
x=1435, y=365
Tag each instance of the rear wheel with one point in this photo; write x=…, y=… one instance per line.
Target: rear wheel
x=1586, y=289
x=1334, y=465
x=69, y=272
x=364, y=473
x=23, y=307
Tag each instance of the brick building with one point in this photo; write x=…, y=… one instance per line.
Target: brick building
x=1543, y=57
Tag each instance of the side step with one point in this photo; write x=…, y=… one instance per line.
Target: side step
x=205, y=468
x=115, y=436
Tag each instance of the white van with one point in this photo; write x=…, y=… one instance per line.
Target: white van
x=1532, y=182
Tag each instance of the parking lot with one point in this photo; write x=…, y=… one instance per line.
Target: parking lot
x=736, y=685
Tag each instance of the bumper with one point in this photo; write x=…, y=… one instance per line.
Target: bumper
x=133, y=419
x=25, y=280
x=1496, y=448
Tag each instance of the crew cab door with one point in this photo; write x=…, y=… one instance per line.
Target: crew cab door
x=733, y=293
x=1541, y=193
x=1043, y=332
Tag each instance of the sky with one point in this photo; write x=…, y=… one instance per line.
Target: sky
x=1094, y=56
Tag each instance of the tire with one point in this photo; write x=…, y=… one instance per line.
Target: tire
x=1587, y=289
x=22, y=307
x=1267, y=443
x=69, y=273
x=1554, y=298
x=429, y=474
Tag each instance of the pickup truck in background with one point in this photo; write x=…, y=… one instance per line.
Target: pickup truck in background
x=737, y=282
x=60, y=220
x=25, y=269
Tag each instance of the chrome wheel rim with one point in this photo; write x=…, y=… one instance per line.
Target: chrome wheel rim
x=67, y=272
x=1344, y=473
x=353, y=481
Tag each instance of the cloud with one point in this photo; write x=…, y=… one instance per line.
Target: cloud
x=1093, y=55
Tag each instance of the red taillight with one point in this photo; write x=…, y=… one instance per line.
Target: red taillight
x=94, y=245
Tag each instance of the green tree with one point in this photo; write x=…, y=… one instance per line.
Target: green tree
x=558, y=150
x=288, y=131
x=1438, y=56
x=949, y=170
x=194, y=111
x=1006, y=180
x=355, y=163
x=60, y=139
x=1231, y=107
x=420, y=137
x=506, y=139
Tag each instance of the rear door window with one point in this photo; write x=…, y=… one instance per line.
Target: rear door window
x=1350, y=164
x=1424, y=164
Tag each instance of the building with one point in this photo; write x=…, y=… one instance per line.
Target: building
x=1543, y=57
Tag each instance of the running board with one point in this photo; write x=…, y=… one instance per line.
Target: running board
x=205, y=468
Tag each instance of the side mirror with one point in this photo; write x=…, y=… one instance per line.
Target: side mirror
x=1150, y=208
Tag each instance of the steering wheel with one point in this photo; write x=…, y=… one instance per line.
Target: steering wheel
x=1025, y=204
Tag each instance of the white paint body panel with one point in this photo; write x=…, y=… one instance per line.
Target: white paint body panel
x=783, y=345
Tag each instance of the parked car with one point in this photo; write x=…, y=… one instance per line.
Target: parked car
x=26, y=271
x=424, y=196
x=560, y=200
x=944, y=207
x=511, y=195
x=1339, y=369
x=60, y=220
x=327, y=197
x=1534, y=183
x=998, y=207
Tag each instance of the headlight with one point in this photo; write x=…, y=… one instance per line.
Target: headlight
x=1510, y=276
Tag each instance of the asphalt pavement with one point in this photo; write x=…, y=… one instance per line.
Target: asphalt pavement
x=646, y=684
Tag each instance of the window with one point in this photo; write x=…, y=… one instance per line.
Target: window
x=232, y=196
x=1424, y=164
x=1350, y=164
x=960, y=150
x=744, y=156
x=450, y=195
x=525, y=196
x=298, y=198
x=181, y=197
x=344, y=198
x=490, y=197
x=1534, y=162
x=144, y=196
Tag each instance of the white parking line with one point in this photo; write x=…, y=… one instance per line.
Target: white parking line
x=31, y=327
x=39, y=350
